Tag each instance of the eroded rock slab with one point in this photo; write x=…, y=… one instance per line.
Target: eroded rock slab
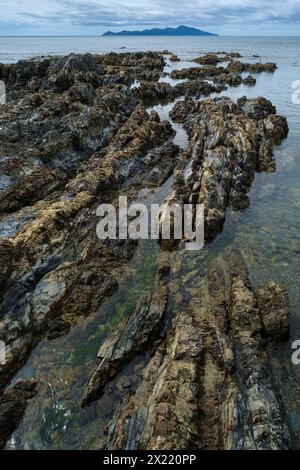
x=135, y=335
x=73, y=135
x=228, y=143
x=207, y=384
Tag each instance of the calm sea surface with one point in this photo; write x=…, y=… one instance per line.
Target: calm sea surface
x=268, y=232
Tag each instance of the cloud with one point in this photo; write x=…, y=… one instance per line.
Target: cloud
x=139, y=13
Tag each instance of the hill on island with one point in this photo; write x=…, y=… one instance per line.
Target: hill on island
x=180, y=31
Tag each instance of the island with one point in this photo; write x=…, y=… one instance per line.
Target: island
x=179, y=31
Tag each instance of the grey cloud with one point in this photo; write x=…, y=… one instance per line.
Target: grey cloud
x=117, y=13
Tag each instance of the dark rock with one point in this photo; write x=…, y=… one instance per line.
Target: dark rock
x=5, y=71
x=207, y=384
x=151, y=93
x=135, y=335
x=182, y=109
x=77, y=63
x=197, y=72
x=228, y=143
x=277, y=127
x=258, y=108
x=239, y=67
x=269, y=67
x=12, y=407
x=197, y=88
x=7, y=256
x=208, y=59
x=233, y=55
x=25, y=70
x=230, y=79
x=249, y=81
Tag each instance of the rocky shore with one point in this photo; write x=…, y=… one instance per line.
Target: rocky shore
x=228, y=143
x=76, y=132
x=207, y=384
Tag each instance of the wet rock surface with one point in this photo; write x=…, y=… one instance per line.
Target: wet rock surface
x=228, y=143
x=75, y=133
x=73, y=136
x=135, y=335
x=207, y=384
x=230, y=75
x=12, y=407
x=209, y=59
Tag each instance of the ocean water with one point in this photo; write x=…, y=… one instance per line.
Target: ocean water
x=268, y=233
x=13, y=49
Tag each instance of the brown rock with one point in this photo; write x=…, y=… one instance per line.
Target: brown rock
x=273, y=305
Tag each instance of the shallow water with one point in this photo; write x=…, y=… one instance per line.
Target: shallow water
x=267, y=233
x=54, y=420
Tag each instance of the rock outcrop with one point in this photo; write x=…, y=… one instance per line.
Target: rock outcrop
x=73, y=136
x=135, y=335
x=207, y=384
x=228, y=143
x=75, y=133
x=221, y=75
x=209, y=59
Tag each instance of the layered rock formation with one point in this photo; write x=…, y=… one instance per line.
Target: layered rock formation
x=72, y=136
x=75, y=133
x=207, y=383
x=229, y=75
x=153, y=93
x=135, y=335
x=228, y=143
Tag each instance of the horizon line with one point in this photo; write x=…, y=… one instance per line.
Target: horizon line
x=146, y=35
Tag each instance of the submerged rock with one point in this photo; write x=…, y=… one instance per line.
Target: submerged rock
x=135, y=335
x=12, y=407
x=206, y=385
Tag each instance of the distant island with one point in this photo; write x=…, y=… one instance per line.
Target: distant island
x=180, y=31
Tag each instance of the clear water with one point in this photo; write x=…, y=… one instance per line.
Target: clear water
x=13, y=49
x=268, y=233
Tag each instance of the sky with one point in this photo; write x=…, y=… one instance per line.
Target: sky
x=94, y=17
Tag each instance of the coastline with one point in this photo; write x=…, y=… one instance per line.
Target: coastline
x=60, y=180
